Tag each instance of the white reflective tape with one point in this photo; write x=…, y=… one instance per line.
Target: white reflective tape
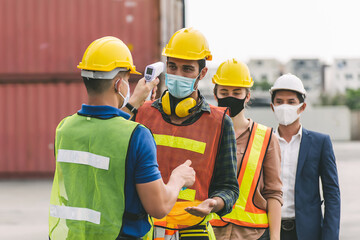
x=86, y=158
x=74, y=213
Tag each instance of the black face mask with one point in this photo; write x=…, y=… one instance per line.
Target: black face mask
x=236, y=105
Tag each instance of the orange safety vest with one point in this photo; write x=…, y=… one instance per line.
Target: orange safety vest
x=244, y=212
x=198, y=142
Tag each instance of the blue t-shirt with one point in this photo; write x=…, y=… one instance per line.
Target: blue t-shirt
x=141, y=167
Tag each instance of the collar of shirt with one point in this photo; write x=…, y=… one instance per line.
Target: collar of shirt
x=248, y=128
x=102, y=111
x=298, y=134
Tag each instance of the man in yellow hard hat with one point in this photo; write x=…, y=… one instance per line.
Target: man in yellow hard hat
x=107, y=178
x=185, y=126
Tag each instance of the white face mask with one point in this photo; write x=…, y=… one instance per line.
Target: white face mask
x=286, y=114
x=126, y=99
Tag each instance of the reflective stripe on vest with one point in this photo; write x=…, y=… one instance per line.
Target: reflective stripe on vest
x=180, y=142
x=165, y=234
x=73, y=213
x=198, y=142
x=90, y=165
x=244, y=212
x=85, y=158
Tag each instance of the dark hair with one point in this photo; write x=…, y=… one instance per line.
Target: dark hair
x=202, y=64
x=300, y=96
x=98, y=86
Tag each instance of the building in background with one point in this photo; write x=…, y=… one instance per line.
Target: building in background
x=264, y=73
x=309, y=71
x=265, y=69
x=343, y=74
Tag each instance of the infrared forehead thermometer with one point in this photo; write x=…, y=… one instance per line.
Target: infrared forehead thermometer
x=152, y=71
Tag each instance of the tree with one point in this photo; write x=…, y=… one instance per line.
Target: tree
x=352, y=98
x=263, y=85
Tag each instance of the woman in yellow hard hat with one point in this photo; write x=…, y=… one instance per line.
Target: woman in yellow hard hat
x=257, y=212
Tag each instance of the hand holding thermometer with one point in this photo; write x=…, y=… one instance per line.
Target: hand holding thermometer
x=152, y=71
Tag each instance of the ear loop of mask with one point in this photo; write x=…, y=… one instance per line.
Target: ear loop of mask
x=116, y=86
x=124, y=98
x=197, y=82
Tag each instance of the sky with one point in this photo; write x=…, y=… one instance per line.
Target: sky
x=281, y=29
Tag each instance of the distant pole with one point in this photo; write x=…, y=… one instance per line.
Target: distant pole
x=323, y=76
x=183, y=14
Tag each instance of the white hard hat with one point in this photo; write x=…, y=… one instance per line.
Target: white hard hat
x=288, y=82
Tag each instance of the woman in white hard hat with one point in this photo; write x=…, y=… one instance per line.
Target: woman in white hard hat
x=257, y=212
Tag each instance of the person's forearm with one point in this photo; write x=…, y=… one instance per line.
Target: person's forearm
x=219, y=204
x=140, y=93
x=160, y=202
x=171, y=193
x=274, y=215
x=159, y=198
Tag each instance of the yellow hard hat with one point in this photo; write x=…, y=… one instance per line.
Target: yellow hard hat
x=107, y=54
x=233, y=73
x=189, y=44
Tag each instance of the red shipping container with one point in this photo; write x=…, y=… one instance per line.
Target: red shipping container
x=28, y=119
x=42, y=41
x=48, y=36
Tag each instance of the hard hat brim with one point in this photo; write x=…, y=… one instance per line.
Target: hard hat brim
x=133, y=71
x=105, y=75
x=272, y=90
x=230, y=83
x=172, y=54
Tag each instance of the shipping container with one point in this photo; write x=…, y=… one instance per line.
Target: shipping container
x=29, y=116
x=49, y=36
x=42, y=41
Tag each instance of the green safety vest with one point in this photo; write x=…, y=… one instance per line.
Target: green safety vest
x=88, y=196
